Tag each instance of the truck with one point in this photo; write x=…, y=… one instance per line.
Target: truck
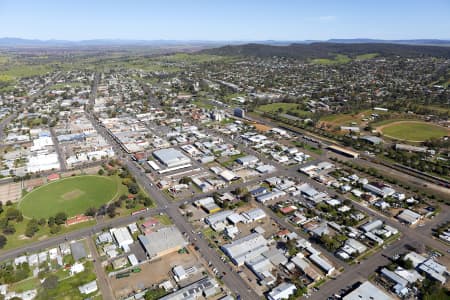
x=122, y=275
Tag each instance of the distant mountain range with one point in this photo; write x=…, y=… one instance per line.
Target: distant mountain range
x=330, y=50
x=19, y=42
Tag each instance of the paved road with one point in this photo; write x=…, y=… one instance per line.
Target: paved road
x=61, y=157
x=102, y=279
x=230, y=277
x=358, y=272
x=76, y=235
x=363, y=270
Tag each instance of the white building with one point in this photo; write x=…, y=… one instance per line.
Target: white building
x=282, y=291
x=245, y=248
x=88, y=288
x=122, y=237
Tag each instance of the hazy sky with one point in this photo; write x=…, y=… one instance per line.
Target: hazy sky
x=225, y=20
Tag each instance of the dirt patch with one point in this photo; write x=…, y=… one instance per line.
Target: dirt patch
x=152, y=273
x=261, y=127
x=72, y=194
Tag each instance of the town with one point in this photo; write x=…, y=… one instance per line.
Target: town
x=195, y=169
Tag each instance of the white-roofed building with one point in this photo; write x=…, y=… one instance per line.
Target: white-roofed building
x=122, y=237
x=282, y=291
x=246, y=248
x=409, y=217
x=171, y=157
x=254, y=215
x=367, y=291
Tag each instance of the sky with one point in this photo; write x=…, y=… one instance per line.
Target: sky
x=244, y=20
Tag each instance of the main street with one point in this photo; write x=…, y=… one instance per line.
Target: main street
x=230, y=277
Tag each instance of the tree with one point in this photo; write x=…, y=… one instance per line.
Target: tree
x=3, y=241
x=133, y=188
x=186, y=180
x=247, y=197
x=32, y=228
x=408, y=264
x=111, y=210
x=9, y=229
x=91, y=212
x=55, y=229
x=51, y=221
x=13, y=213
x=147, y=201
x=60, y=218
x=100, y=172
x=240, y=191
x=50, y=283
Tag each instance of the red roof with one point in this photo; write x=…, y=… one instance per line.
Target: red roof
x=53, y=176
x=287, y=209
x=150, y=223
x=77, y=219
x=283, y=232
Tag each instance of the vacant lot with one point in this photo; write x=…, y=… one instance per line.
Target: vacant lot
x=413, y=131
x=72, y=195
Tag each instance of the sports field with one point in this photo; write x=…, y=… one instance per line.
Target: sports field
x=72, y=195
x=413, y=131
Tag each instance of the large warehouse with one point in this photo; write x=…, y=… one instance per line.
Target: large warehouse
x=245, y=248
x=171, y=157
x=164, y=241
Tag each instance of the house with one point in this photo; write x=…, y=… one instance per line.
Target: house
x=322, y=263
x=206, y=287
x=88, y=288
x=269, y=196
x=369, y=226
x=76, y=268
x=253, y=215
x=305, y=267
x=409, y=217
x=282, y=291
x=123, y=237
x=78, y=250
x=247, y=160
x=179, y=273
x=367, y=291
x=379, y=190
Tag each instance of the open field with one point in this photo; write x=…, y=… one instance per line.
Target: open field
x=347, y=119
x=413, y=131
x=366, y=56
x=282, y=107
x=338, y=59
x=191, y=58
x=72, y=195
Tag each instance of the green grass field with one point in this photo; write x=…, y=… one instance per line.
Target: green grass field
x=366, y=56
x=338, y=59
x=285, y=107
x=71, y=195
x=414, y=131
